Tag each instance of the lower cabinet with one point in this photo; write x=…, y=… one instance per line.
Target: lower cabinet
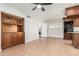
x=75, y=40
x=6, y=40
x=11, y=39
x=68, y=36
x=20, y=37
x=14, y=38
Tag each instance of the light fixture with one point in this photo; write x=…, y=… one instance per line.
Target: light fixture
x=8, y=20
x=39, y=6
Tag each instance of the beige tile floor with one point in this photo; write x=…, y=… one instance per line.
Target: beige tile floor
x=43, y=47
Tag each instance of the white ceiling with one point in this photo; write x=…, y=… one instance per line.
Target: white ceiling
x=54, y=11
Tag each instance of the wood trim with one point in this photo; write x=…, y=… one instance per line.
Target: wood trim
x=76, y=6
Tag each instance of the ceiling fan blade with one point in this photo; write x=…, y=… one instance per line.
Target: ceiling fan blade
x=45, y=3
x=42, y=8
x=34, y=8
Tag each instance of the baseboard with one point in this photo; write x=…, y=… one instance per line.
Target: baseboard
x=56, y=37
x=42, y=37
x=30, y=41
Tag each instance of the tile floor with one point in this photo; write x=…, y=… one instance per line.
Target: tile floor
x=43, y=47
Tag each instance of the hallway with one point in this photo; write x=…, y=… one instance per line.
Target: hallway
x=42, y=47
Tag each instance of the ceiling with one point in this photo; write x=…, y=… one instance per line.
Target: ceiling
x=54, y=11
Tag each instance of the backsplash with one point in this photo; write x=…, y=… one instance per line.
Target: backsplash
x=76, y=29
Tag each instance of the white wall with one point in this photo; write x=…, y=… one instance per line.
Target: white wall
x=30, y=24
x=32, y=29
x=55, y=29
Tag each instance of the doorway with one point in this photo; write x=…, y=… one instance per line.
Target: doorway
x=42, y=30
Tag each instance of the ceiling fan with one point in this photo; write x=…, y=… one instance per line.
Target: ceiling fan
x=40, y=5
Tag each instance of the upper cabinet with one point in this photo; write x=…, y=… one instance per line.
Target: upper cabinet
x=72, y=10
x=8, y=19
x=72, y=14
x=76, y=22
x=11, y=23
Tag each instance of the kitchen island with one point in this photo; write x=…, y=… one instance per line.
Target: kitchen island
x=75, y=39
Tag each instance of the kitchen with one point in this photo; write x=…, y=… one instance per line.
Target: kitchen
x=71, y=25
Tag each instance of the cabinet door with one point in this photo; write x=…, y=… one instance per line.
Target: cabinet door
x=20, y=37
x=75, y=40
x=20, y=21
x=14, y=38
x=76, y=22
x=6, y=42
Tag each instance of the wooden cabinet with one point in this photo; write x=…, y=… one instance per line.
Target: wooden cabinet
x=75, y=40
x=12, y=29
x=76, y=22
x=19, y=21
x=73, y=13
x=72, y=10
x=68, y=36
x=6, y=41
x=14, y=38
x=20, y=37
x=10, y=39
x=8, y=19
